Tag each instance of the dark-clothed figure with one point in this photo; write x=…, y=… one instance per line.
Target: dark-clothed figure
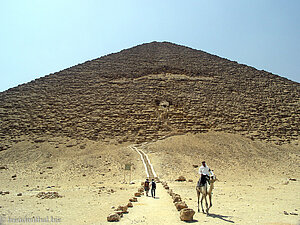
x=153, y=187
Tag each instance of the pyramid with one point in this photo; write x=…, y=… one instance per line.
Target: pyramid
x=152, y=91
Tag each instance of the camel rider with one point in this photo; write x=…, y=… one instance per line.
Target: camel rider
x=204, y=172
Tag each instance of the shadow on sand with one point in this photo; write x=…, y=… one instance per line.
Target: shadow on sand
x=221, y=217
x=193, y=221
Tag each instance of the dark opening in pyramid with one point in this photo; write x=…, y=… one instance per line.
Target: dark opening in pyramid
x=151, y=91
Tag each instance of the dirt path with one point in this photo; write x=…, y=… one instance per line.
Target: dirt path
x=148, y=210
x=153, y=211
x=150, y=173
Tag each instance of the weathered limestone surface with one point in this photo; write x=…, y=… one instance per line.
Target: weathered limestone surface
x=151, y=91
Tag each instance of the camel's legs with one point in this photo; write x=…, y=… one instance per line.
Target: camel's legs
x=202, y=202
x=210, y=203
x=206, y=204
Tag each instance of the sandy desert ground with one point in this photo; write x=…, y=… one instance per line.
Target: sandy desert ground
x=258, y=181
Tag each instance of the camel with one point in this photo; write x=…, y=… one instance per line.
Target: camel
x=203, y=190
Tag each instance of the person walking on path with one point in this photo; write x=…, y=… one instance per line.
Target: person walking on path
x=146, y=186
x=153, y=187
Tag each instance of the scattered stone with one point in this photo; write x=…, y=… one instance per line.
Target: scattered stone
x=3, y=168
x=70, y=145
x=285, y=213
x=190, y=180
x=137, y=194
x=195, y=166
x=19, y=194
x=14, y=176
x=113, y=217
x=293, y=179
x=180, y=205
x=133, y=199
x=181, y=178
x=120, y=213
x=294, y=214
x=187, y=214
x=129, y=204
x=123, y=209
x=82, y=146
x=49, y=167
x=141, y=190
x=111, y=191
x=174, y=195
x=177, y=199
x=39, y=140
x=48, y=195
x=2, y=148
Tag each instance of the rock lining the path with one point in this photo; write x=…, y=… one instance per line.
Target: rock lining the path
x=180, y=205
x=187, y=214
x=113, y=217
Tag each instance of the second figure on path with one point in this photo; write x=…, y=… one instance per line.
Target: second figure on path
x=153, y=187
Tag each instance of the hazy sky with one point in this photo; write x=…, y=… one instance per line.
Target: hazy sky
x=39, y=37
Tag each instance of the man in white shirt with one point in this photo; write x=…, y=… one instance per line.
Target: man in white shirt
x=204, y=172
